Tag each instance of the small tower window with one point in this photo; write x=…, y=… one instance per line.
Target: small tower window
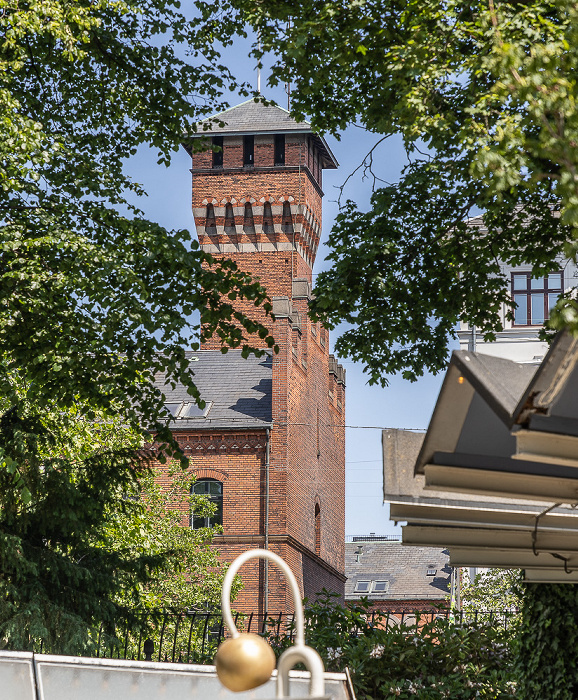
x=248, y=222
x=217, y=151
x=287, y=219
x=212, y=489
x=268, y=227
x=229, y=219
x=317, y=530
x=248, y=150
x=210, y=222
x=279, y=149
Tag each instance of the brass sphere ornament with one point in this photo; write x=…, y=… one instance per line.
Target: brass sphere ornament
x=244, y=662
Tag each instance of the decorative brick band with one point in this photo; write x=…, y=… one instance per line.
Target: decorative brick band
x=209, y=442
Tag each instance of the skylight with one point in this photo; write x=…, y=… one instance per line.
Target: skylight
x=173, y=408
x=191, y=410
x=187, y=409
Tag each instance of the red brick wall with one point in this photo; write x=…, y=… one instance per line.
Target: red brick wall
x=316, y=462
x=269, y=268
x=236, y=459
x=307, y=455
x=407, y=612
x=294, y=183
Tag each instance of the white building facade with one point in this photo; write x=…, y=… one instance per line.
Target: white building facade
x=535, y=298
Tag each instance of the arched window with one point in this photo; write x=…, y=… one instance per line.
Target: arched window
x=210, y=222
x=268, y=219
x=287, y=219
x=248, y=222
x=317, y=530
x=229, y=219
x=213, y=490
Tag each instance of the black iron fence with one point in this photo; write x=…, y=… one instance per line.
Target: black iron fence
x=418, y=618
x=188, y=637
x=193, y=637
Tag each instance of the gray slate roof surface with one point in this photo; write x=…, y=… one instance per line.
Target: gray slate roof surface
x=404, y=567
x=240, y=390
x=251, y=116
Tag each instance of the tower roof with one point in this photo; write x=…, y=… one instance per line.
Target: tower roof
x=254, y=117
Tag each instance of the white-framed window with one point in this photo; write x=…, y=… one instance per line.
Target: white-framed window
x=363, y=586
x=380, y=586
x=370, y=587
x=187, y=409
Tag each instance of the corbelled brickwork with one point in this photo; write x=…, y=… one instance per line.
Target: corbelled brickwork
x=266, y=216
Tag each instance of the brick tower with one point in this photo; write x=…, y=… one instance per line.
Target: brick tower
x=272, y=444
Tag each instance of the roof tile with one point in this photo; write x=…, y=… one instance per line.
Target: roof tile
x=240, y=390
x=405, y=568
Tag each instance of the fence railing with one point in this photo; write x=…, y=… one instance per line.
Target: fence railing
x=188, y=637
x=372, y=538
x=193, y=637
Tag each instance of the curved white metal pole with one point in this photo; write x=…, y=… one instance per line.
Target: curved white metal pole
x=313, y=663
x=228, y=581
x=298, y=653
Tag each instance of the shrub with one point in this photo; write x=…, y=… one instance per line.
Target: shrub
x=424, y=661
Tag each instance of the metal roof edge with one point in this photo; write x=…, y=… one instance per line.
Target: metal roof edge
x=423, y=456
x=549, y=370
x=481, y=388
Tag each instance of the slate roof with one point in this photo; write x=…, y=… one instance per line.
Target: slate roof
x=405, y=568
x=252, y=117
x=239, y=391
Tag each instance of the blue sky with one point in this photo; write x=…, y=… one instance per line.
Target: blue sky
x=368, y=409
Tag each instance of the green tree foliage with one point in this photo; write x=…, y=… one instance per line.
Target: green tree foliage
x=483, y=95
x=64, y=476
x=546, y=648
x=427, y=660
x=492, y=591
x=87, y=538
x=187, y=579
x=94, y=298
x=191, y=575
